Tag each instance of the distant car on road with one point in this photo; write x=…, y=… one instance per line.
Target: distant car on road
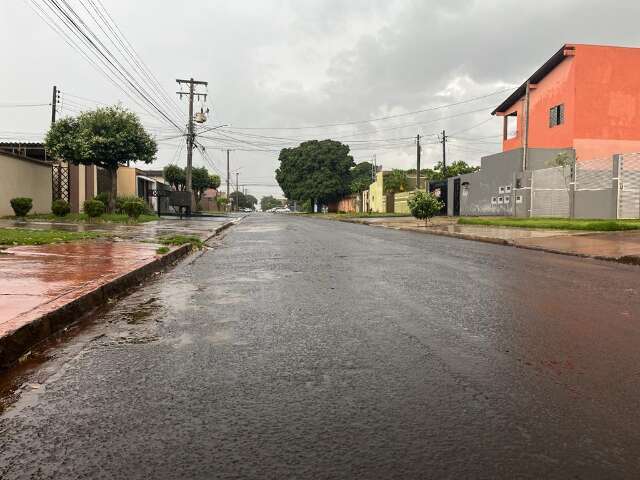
x=247, y=209
x=282, y=210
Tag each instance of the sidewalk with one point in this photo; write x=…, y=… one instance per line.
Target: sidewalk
x=622, y=246
x=43, y=288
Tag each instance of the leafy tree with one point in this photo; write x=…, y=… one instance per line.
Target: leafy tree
x=201, y=181
x=241, y=200
x=222, y=202
x=269, y=202
x=176, y=177
x=361, y=177
x=424, y=205
x=396, y=181
x=454, y=169
x=107, y=137
x=315, y=170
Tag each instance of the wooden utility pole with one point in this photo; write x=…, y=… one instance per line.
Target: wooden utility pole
x=190, y=132
x=444, y=153
x=54, y=104
x=237, y=193
x=228, y=191
x=418, y=153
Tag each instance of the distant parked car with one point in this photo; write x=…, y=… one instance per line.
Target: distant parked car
x=247, y=209
x=282, y=210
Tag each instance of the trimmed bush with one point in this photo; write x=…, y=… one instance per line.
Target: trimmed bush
x=134, y=208
x=120, y=201
x=103, y=197
x=21, y=206
x=94, y=208
x=60, y=208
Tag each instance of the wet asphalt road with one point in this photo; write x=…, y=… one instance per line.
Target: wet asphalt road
x=302, y=348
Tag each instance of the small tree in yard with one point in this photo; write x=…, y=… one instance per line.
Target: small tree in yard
x=424, y=205
x=107, y=137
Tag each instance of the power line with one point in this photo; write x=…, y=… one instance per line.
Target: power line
x=387, y=117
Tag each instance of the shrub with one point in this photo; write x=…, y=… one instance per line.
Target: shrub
x=134, y=208
x=120, y=201
x=103, y=197
x=21, y=206
x=60, y=208
x=424, y=205
x=94, y=208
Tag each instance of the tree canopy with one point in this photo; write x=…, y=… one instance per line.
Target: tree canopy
x=241, y=200
x=361, y=177
x=201, y=180
x=107, y=137
x=315, y=171
x=176, y=176
x=269, y=202
x=396, y=181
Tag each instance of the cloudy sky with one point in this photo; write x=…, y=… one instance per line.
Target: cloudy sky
x=280, y=71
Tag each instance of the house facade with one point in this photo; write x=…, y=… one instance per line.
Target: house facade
x=571, y=133
x=585, y=97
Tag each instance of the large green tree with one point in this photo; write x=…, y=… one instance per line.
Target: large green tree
x=201, y=180
x=176, y=176
x=315, y=171
x=242, y=200
x=396, y=181
x=269, y=202
x=107, y=137
x=361, y=177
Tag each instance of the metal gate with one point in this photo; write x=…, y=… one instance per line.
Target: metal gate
x=550, y=189
x=629, y=186
x=60, y=181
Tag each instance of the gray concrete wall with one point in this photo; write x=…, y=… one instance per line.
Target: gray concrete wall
x=502, y=170
x=25, y=178
x=596, y=203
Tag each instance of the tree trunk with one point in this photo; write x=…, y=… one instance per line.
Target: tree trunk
x=114, y=190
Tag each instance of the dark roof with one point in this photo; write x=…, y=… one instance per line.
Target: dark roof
x=542, y=72
x=31, y=150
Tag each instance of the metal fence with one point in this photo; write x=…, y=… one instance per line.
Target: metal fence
x=629, y=186
x=594, y=175
x=550, y=192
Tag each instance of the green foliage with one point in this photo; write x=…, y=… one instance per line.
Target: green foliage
x=315, y=170
x=104, y=198
x=60, y=208
x=596, y=225
x=360, y=177
x=424, y=205
x=396, y=181
x=201, y=181
x=269, y=202
x=121, y=201
x=162, y=250
x=93, y=208
x=241, y=200
x=307, y=206
x=21, y=206
x=106, y=137
x=454, y=169
x=562, y=159
x=176, y=176
x=221, y=201
x=181, y=240
x=134, y=208
x=22, y=236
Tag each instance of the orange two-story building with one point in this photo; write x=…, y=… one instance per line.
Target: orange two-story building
x=585, y=97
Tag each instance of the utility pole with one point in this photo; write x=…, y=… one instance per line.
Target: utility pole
x=54, y=104
x=444, y=153
x=190, y=133
x=418, y=153
x=228, y=191
x=237, y=192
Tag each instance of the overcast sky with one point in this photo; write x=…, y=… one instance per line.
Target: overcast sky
x=298, y=63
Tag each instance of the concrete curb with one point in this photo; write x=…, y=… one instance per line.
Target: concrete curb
x=627, y=260
x=18, y=342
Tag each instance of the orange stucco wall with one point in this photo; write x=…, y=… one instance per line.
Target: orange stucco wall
x=600, y=89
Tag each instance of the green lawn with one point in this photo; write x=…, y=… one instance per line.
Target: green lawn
x=178, y=240
x=84, y=218
x=24, y=236
x=595, y=225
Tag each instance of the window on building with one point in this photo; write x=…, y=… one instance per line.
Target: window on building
x=556, y=116
x=511, y=126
